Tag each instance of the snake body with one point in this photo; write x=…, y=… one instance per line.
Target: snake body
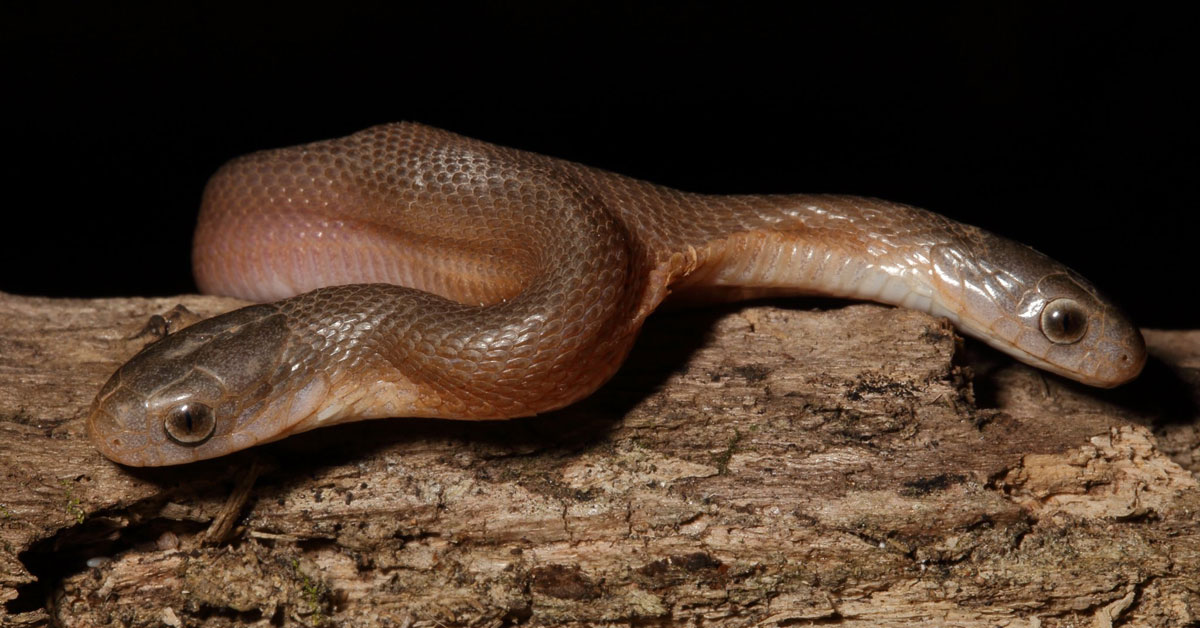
x=413, y=272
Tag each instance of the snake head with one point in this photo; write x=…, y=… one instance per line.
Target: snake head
x=192, y=394
x=1039, y=311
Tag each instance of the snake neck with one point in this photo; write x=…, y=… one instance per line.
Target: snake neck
x=784, y=245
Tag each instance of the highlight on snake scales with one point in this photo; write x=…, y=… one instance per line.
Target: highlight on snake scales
x=405, y=271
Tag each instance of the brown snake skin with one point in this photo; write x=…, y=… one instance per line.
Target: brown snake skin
x=471, y=281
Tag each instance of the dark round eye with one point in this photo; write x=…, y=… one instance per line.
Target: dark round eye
x=190, y=423
x=1064, y=321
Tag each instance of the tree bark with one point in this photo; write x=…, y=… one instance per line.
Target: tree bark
x=857, y=466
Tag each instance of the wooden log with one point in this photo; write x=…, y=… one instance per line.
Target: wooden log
x=854, y=466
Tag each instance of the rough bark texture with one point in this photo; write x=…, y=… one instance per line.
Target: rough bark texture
x=756, y=466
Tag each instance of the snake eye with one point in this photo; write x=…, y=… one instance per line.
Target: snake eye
x=1064, y=321
x=190, y=424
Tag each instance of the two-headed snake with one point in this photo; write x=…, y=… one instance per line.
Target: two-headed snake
x=440, y=276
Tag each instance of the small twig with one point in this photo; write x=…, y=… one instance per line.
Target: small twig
x=219, y=531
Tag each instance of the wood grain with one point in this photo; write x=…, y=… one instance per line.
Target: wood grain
x=854, y=466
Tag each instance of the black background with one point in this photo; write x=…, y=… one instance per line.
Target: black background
x=1067, y=126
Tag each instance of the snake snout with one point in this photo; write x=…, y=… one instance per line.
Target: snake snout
x=1120, y=355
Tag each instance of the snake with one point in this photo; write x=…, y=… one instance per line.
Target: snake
x=407, y=271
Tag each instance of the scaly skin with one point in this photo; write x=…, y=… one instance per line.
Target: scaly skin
x=440, y=276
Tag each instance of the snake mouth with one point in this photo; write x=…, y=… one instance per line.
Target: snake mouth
x=1122, y=363
x=1130, y=366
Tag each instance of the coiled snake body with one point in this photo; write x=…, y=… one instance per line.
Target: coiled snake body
x=439, y=276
